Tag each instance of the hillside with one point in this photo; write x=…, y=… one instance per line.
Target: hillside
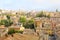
x=21, y=37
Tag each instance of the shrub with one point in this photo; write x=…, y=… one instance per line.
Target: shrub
x=7, y=23
x=11, y=31
x=19, y=32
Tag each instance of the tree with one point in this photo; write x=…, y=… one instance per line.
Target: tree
x=8, y=17
x=40, y=14
x=11, y=32
x=22, y=20
x=56, y=10
x=29, y=24
x=31, y=21
x=6, y=23
x=48, y=16
x=2, y=22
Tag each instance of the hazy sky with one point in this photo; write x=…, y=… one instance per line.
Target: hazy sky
x=30, y=4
